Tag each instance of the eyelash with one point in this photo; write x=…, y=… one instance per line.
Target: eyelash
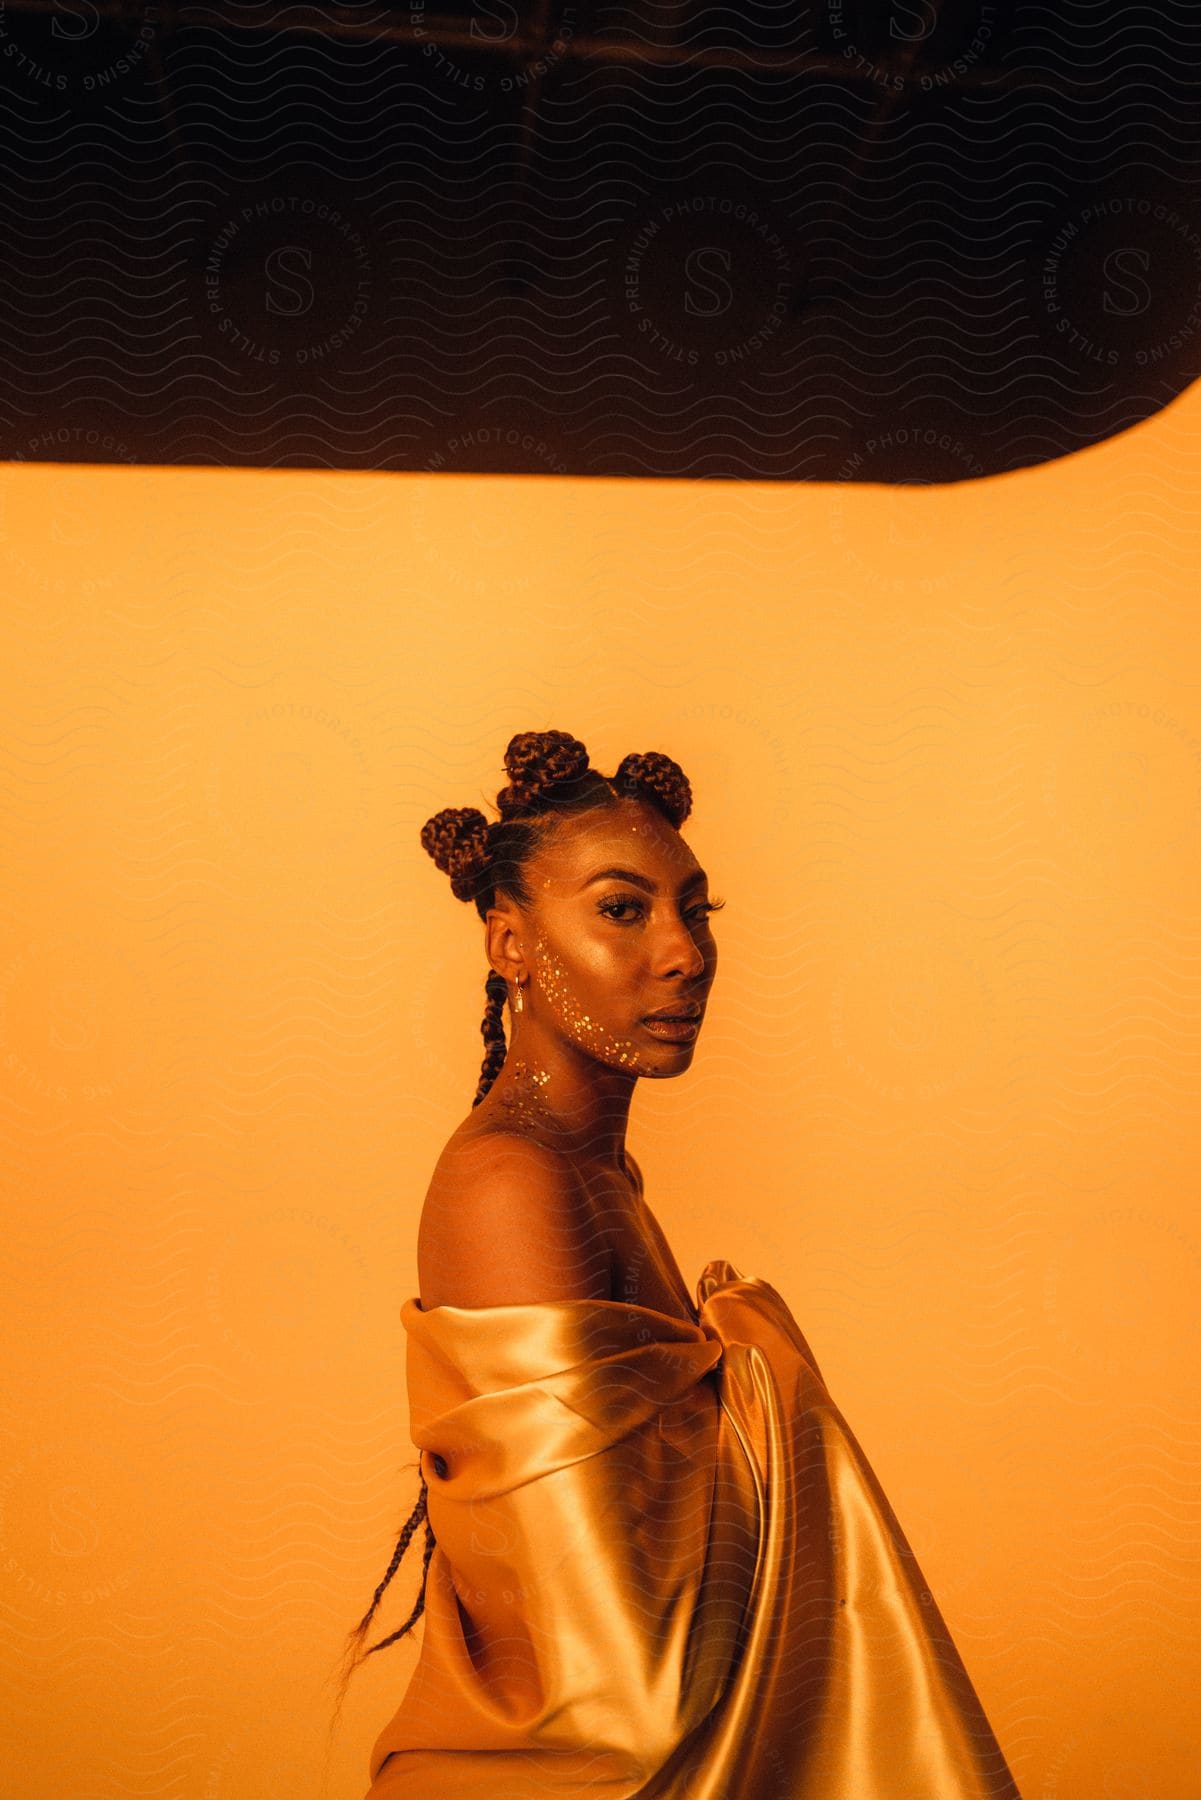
x=620, y=900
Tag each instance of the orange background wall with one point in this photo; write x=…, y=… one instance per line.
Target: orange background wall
x=945, y=745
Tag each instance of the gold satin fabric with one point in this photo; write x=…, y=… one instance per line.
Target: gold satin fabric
x=664, y=1569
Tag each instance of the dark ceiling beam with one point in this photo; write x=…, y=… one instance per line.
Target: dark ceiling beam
x=531, y=45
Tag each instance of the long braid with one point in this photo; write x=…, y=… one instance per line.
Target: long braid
x=418, y=1513
x=549, y=778
x=492, y=1030
x=355, y=1638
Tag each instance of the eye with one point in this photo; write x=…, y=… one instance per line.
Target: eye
x=615, y=903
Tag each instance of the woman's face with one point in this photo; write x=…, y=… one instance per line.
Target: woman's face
x=609, y=947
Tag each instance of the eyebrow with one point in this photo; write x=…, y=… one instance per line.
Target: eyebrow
x=650, y=887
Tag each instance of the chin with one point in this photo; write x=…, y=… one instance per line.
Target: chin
x=676, y=1065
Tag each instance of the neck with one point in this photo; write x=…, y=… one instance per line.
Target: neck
x=563, y=1098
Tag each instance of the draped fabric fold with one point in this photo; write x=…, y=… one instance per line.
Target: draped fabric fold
x=664, y=1571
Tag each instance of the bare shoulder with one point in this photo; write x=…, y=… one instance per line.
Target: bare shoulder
x=506, y=1223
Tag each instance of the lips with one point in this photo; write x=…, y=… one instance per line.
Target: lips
x=685, y=1013
x=672, y=1031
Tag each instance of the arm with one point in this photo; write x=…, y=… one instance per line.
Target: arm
x=505, y=1224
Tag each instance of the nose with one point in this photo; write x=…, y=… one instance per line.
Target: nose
x=679, y=952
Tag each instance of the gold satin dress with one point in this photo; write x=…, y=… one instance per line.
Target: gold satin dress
x=663, y=1569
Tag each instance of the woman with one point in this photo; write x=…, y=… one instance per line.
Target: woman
x=657, y=1563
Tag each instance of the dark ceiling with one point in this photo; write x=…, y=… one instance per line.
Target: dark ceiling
x=908, y=241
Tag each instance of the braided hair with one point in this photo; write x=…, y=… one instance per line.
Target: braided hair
x=549, y=779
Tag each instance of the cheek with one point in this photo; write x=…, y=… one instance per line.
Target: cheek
x=574, y=995
x=595, y=974
x=569, y=999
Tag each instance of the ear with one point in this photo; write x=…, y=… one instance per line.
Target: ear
x=501, y=944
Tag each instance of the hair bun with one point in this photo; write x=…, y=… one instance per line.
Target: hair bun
x=650, y=769
x=536, y=762
x=458, y=840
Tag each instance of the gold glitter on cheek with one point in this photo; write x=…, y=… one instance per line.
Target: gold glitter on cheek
x=579, y=1025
